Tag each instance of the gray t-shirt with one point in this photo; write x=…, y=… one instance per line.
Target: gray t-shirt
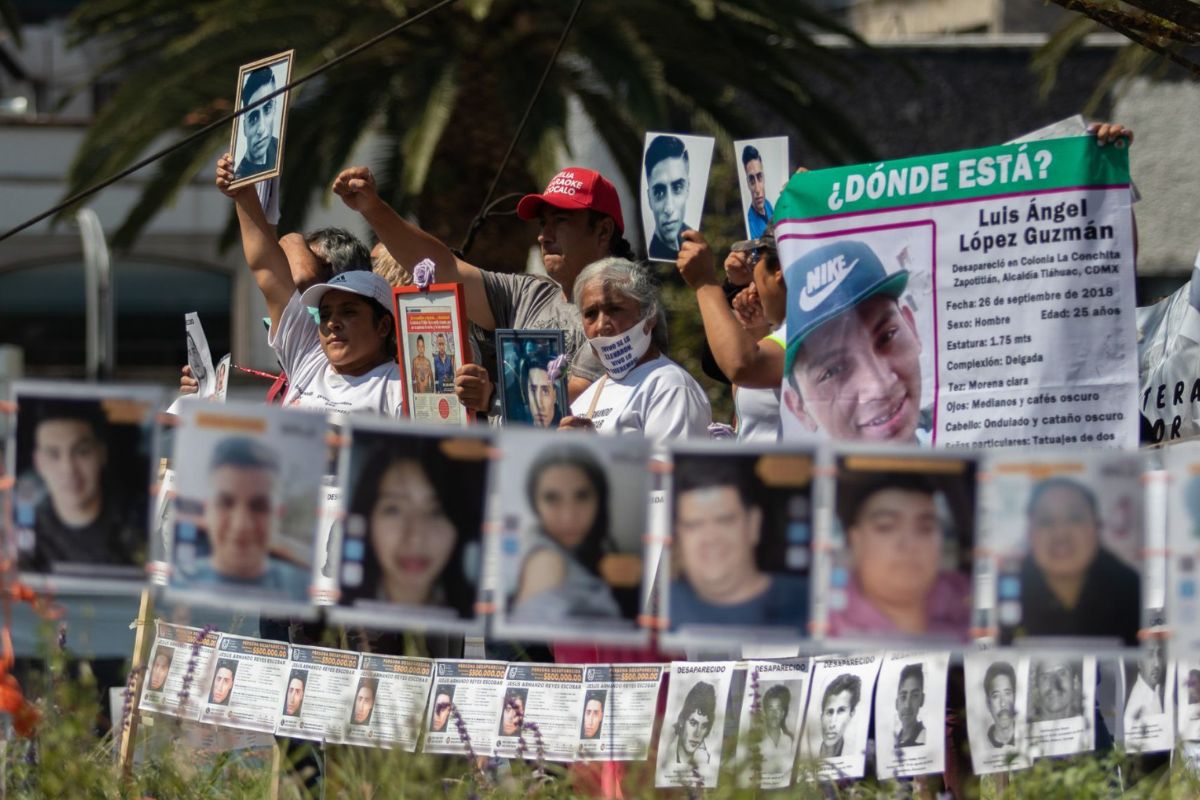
x=534, y=303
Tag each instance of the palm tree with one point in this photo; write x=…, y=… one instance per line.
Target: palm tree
x=447, y=93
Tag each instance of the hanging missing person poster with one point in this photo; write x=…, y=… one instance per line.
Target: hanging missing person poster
x=572, y=513
x=1064, y=528
x=1182, y=463
x=389, y=701
x=533, y=377
x=982, y=298
x=247, y=501
x=547, y=697
x=249, y=677
x=410, y=553
x=256, y=146
x=180, y=656
x=690, y=743
x=1187, y=678
x=199, y=357
x=902, y=547
x=1060, y=705
x=81, y=458
x=910, y=714
x=431, y=325
x=470, y=694
x=764, y=172
x=771, y=717
x=322, y=684
x=834, y=743
x=329, y=541
x=997, y=684
x=741, y=543
x=674, y=180
x=1148, y=722
x=619, y=705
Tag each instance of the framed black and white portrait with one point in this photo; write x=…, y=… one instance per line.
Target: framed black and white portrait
x=257, y=142
x=674, y=178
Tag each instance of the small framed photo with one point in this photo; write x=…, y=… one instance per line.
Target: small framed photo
x=257, y=142
x=674, y=179
x=432, y=343
x=247, y=501
x=81, y=459
x=529, y=394
x=410, y=547
x=763, y=172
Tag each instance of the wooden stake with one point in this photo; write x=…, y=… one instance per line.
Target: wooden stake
x=141, y=650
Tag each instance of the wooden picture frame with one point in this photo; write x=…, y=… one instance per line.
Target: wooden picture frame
x=431, y=344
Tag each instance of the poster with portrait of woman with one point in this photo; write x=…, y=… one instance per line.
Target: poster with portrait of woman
x=901, y=545
x=569, y=550
x=1064, y=531
x=247, y=502
x=532, y=379
x=81, y=461
x=741, y=543
x=409, y=550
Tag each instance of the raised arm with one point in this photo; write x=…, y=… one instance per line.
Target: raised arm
x=266, y=258
x=745, y=360
x=408, y=244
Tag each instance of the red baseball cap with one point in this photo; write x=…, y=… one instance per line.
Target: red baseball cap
x=575, y=188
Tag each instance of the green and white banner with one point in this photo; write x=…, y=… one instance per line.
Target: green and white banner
x=982, y=298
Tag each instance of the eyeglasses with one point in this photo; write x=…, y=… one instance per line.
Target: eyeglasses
x=254, y=116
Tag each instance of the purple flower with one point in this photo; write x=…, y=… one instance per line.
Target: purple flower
x=191, y=667
x=423, y=273
x=128, y=695
x=719, y=430
x=556, y=367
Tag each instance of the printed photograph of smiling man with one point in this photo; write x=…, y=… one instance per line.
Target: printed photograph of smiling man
x=674, y=179
x=860, y=337
x=257, y=143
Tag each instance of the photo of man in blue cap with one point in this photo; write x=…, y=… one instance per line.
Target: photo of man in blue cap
x=853, y=366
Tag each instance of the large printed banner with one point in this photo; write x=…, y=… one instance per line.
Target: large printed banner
x=982, y=298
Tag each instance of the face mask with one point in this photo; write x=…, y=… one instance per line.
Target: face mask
x=619, y=354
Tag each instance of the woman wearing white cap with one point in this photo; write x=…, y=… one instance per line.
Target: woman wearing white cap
x=642, y=390
x=345, y=363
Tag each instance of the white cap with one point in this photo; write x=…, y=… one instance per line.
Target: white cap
x=359, y=281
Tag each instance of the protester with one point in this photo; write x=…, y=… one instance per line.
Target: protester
x=718, y=529
x=1071, y=585
x=560, y=573
x=642, y=390
x=753, y=363
x=897, y=586
x=418, y=525
x=580, y=222
x=347, y=361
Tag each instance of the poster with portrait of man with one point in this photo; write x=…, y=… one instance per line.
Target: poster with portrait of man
x=1064, y=530
x=1187, y=694
x=741, y=543
x=571, y=517
x=910, y=713
x=762, y=174
x=533, y=377
x=691, y=739
x=674, y=179
x=410, y=548
x=431, y=325
x=81, y=461
x=996, y=684
x=771, y=717
x=1060, y=703
x=256, y=146
x=834, y=741
x=1148, y=717
x=248, y=498
x=901, y=548
x=1181, y=463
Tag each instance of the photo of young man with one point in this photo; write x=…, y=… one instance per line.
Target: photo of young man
x=674, y=177
x=692, y=726
x=1000, y=691
x=443, y=702
x=364, y=701
x=512, y=717
x=593, y=713
x=222, y=685
x=910, y=698
x=161, y=668
x=293, y=698
x=838, y=704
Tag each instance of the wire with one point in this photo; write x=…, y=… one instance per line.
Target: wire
x=477, y=223
x=184, y=142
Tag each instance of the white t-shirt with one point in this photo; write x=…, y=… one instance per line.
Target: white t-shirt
x=312, y=381
x=758, y=409
x=658, y=399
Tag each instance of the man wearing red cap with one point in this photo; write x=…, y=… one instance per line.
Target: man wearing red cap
x=580, y=221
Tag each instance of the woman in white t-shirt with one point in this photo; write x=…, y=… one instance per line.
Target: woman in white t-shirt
x=347, y=362
x=642, y=390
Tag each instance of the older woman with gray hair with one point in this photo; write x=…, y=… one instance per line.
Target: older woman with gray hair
x=642, y=390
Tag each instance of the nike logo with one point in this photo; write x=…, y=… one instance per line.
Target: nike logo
x=823, y=280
